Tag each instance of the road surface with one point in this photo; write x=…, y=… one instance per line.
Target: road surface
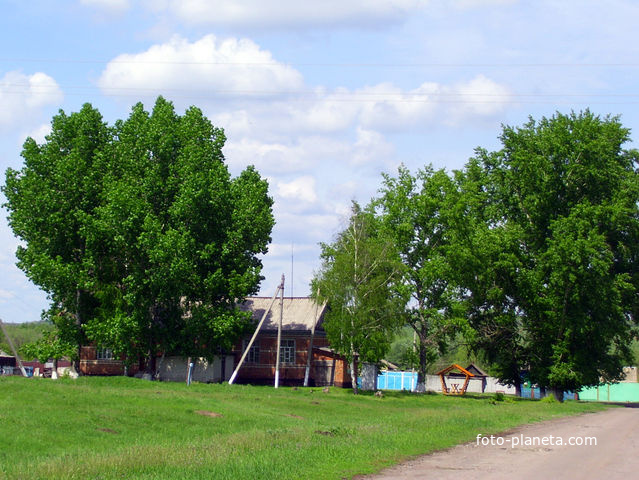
x=523, y=453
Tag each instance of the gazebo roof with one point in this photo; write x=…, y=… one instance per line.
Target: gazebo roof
x=454, y=366
x=472, y=368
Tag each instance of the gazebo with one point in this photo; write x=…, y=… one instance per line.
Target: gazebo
x=454, y=387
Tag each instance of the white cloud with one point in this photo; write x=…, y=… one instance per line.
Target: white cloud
x=480, y=97
x=299, y=191
x=284, y=250
x=22, y=96
x=39, y=133
x=301, y=154
x=372, y=147
x=210, y=66
x=383, y=107
x=293, y=13
x=308, y=227
x=391, y=108
x=243, y=75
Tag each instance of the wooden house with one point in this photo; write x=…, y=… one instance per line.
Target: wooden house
x=302, y=319
x=101, y=361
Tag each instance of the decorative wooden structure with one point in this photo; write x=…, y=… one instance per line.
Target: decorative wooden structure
x=454, y=390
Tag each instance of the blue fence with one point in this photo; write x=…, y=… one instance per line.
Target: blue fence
x=408, y=381
x=397, y=381
x=527, y=392
x=394, y=381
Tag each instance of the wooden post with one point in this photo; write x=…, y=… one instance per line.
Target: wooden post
x=309, y=357
x=279, y=337
x=13, y=349
x=250, y=344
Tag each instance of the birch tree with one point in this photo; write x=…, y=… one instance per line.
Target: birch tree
x=357, y=278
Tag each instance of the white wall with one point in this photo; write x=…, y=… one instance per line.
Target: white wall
x=433, y=383
x=175, y=369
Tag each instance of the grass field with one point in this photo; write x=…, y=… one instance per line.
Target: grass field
x=107, y=428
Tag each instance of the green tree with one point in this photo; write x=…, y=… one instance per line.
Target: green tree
x=61, y=342
x=183, y=237
x=420, y=213
x=486, y=250
x=357, y=277
x=563, y=207
x=51, y=201
x=139, y=232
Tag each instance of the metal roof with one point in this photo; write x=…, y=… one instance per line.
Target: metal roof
x=299, y=312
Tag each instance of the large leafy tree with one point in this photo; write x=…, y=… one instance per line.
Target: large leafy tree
x=421, y=214
x=183, y=233
x=486, y=251
x=164, y=241
x=357, y=278
x=51, y=202
x=563, y=200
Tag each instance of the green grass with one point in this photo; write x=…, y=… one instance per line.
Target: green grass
x=107, y=428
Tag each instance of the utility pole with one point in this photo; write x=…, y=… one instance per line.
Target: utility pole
x=309, y=356
x=250, y=344
x=279, y=336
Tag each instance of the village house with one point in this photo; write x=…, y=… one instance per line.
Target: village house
x=302, y=320
x=302, y=323
x=101, y=361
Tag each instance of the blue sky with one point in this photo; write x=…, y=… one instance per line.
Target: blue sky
x=320, y=96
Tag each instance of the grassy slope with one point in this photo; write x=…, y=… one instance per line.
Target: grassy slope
x=127, y=428
x=22, y=333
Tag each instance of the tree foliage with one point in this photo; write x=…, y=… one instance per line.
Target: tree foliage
x=421, y=214
x=556, y=288
x=357, y=277
x=139, y=231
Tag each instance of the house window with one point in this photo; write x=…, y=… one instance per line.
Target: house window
x=253, y=354
x=287, y=351
x=104, y=354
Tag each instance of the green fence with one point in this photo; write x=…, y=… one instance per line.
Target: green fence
x=611, y=392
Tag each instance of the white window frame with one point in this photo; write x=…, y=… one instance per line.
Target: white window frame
x=104, y=354
x=253, y=354
x=287, y=350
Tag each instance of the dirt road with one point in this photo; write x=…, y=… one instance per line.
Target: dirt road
x=523, y=454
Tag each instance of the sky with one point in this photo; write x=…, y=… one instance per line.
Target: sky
x=321, y=97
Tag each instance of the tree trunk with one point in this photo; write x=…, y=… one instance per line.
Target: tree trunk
x=542, y=391
x=54, y=369
x=78, y=321
x=354, y=374
x=149, y=370
x=558, y=393
x=518, y=388
x=423, y=366
x=151, y=356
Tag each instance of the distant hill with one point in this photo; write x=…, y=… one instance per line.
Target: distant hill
x=22, y=333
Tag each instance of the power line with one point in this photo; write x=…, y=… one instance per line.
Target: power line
x=355, y=96
x=328, y=64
